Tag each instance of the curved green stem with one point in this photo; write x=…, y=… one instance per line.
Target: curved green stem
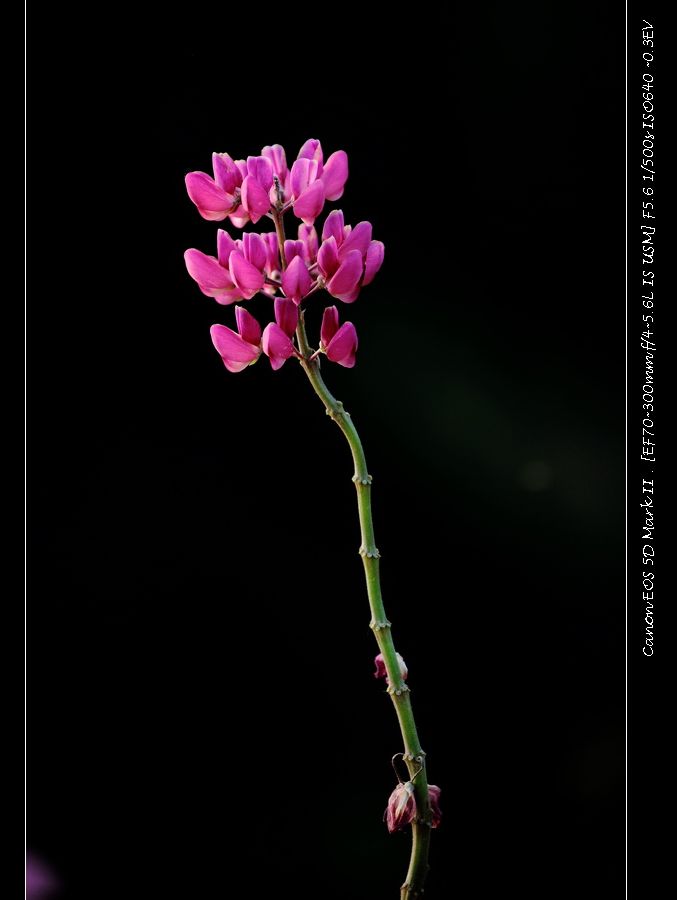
x=414, y=756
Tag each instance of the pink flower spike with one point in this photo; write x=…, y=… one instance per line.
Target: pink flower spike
x=374, y=261
x=286, y=315
x=296, y=282
x=335, y=175
x=401, y=809
x=213, y=202
x=334, y=226
x=344, y=284
x=246, y=276
x=213, y=280
x=234, y=350
x=434, y=798
x=276, y=345
x=342, y=347
x=255, y=199
x=329, y=327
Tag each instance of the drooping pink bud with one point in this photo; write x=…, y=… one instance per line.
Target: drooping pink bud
x=401, y=809
x=434, y=798
x=339, y=343
x=381, y=667
x=238, y=350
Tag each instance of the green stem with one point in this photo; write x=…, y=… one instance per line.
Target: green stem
x=414, y=756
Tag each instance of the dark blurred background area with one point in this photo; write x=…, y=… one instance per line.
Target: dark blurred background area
x=203, y=720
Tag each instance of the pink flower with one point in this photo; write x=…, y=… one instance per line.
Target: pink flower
x=381, y=667
x=238, y=350
x=213, y=274
x=276, y=340
x=339, y=343
x=256, y=186
x=312, y=181
x=348, y=258
x=296, y=282
x=434, y=798
x=401, y=809
x=219, y=196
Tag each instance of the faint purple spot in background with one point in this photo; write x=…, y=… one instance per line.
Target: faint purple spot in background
x=41, y=882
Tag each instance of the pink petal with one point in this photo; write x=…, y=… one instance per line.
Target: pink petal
x=327, y=258
x=255, y=250
x=346, y=280
x=303, y=174
x=308, y=236
x=278, y=160
x=309, y=205
x=261, y=169
x=276, y=345
x=226, y=173
x=335, y=175
x=374, y=261
x=247, y=325
x=292, y=249
x=358, y=239
x=296, y=282
x=341, y=349
x=286, y=315
x=254, y=198
x=213, y=279
x=225, y=246
x=212, y=201
x=312, y=149
x=246, y=276
x=333, y=227
x=330, y=324
x=235, y=352
x=239, y=218
x=273, y=259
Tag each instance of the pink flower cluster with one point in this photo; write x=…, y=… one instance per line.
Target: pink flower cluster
x=345, y=260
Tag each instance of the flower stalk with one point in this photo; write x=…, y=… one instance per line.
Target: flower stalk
x=344, y=262
x=414, y=757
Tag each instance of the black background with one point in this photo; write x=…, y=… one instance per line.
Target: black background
x=199, y=657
